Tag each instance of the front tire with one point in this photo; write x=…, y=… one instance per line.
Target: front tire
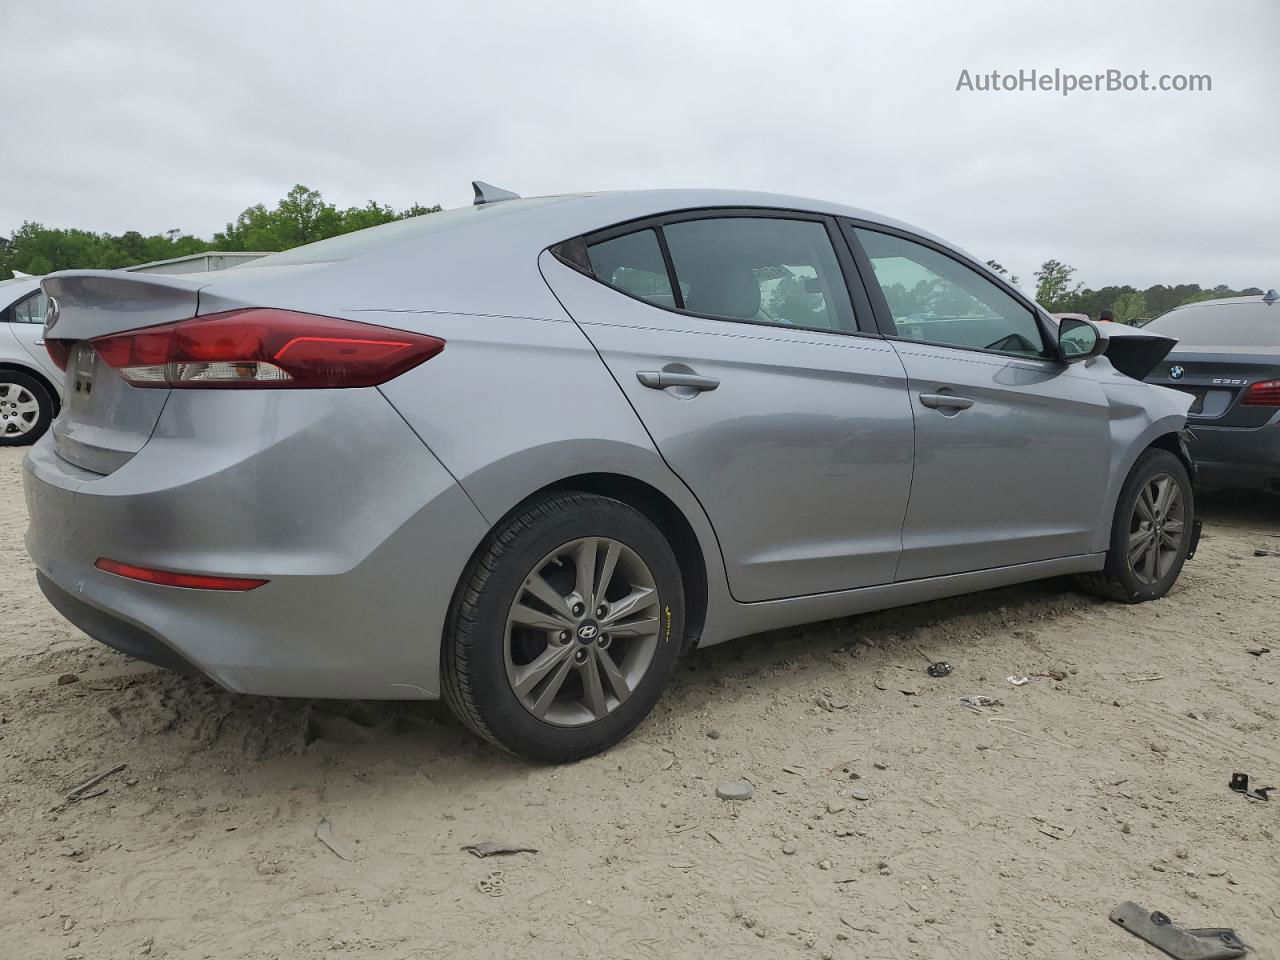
x=26, y=409
x=1150, y=533
x=565, y=628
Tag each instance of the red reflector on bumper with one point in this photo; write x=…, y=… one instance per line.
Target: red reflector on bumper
x=168, y=578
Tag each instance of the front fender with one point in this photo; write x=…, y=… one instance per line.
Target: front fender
x=1140, y=414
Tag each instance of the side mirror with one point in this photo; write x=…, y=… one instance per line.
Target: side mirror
x=1079, y=340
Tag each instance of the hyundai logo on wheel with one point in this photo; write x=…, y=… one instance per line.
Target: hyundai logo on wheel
x=588, y=631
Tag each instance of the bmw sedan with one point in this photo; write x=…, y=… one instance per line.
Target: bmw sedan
x=525, y=454
x=1228, y=359
x=30, y=384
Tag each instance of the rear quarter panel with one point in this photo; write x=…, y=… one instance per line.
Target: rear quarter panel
x=513, y=405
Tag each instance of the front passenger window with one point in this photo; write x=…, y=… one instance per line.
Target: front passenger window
x=937, y=299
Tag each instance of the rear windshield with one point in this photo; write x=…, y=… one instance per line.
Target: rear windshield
x=356, y=244
x=1248, y=324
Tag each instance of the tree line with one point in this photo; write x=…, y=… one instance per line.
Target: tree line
x=303, y=216
x=1058, y=291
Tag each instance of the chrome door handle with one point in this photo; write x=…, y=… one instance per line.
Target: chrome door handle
x=661, y=379
x=945, y=401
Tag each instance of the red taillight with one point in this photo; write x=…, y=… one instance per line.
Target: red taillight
x=261, y=348
x=1265, y=393
x=59, y=352
x=169, y=578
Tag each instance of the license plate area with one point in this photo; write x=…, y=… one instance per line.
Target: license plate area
x=80, y=377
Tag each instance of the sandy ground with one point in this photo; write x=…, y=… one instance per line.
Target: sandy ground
x=1003, y=832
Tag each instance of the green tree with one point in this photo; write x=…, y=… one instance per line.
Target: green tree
x=1054, y=290
x=303, y=216
x=1129, y=306
x=300, y=217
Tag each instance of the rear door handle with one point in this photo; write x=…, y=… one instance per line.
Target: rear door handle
x=661, y=379
x=945, y=401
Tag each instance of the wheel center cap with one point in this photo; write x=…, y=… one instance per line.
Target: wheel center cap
x=588, y=631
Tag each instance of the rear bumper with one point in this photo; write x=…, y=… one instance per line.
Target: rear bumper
x=1246, y=457
x=327, y=494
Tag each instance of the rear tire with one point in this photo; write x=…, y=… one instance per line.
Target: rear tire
x=1149, y=538
x=26, y=409
x=506, y=621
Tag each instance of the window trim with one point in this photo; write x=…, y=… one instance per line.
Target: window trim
x=863, y=311
x=884, y=316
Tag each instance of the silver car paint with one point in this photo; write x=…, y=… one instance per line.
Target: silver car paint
x=1013, y=479
x=365, y=531
x=360, y=529
x=808, y=495
x=22, y=344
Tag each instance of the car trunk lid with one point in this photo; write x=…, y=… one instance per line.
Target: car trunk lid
x=1218, y=378
x=104, y=420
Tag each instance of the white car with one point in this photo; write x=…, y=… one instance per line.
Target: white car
x=30, y=383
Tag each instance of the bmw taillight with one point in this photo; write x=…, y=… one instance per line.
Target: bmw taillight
x=263, y=348
x=1264, y=393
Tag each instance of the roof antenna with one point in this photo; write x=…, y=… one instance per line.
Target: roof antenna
x=1271, y=296
x=488, y=193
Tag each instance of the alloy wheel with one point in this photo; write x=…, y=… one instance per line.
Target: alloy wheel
x=582, y=631
x=19, y=410
x=1156, y=528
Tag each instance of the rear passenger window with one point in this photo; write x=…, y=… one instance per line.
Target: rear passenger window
x=31, y=310
x=633, y=263
x=760, y=269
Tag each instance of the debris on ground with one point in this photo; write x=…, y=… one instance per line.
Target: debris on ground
x=1154, y=676
x=1261, y=553
x=827, y=702
x=67, y=678
x=1018, y=681
x=324, y=833
x=1240, y=784
x=81, y=792
x=1208, y=943
x=1257, y=651
x=735, y=790
x=938, y=669
x=494, y=848
x=975, y=701
x=493, y=885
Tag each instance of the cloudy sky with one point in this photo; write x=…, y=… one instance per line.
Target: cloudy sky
x=149, y=116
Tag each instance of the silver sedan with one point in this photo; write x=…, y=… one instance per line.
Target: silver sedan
x=30, y=384
x=525, y=454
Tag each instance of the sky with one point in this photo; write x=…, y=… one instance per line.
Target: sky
x=158, y=115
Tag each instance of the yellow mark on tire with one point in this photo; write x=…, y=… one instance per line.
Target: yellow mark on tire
x=667, y=638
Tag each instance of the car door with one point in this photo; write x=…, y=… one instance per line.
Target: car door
x=734, y=338
x=26, y=322
x=1011, y=443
